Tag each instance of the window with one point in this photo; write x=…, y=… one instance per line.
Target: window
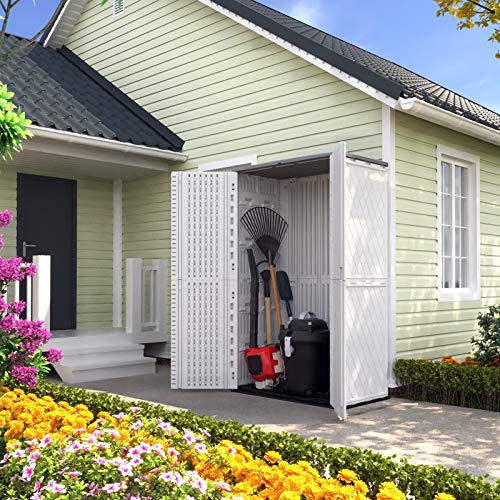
x=118, y=7
x=458, y=183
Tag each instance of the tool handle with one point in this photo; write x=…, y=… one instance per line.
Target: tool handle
x=269, y=325
x=276, y=296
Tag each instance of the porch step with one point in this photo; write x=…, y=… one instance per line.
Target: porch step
x=100, y=357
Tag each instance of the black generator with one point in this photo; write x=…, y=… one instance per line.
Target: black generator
x=305, y=345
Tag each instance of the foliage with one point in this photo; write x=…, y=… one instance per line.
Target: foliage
x=129, y=456
x=470, y=14
x=13, y=124
x=422, y=481
x=447, y=382
x=21, y=356
x=486, y=344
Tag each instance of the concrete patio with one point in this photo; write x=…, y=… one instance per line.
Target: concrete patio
x=423, y=432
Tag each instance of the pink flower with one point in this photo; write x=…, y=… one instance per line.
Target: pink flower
x=100, y=460
x=223, y=486
x=45, y=441
x=28, y=472
x=53, y=355
x=189, y=437
x=54, y=487
x=17, y=307
x=200, y=448
x=25, y=375
x=205, y=432
x=136, y=425
x=5, y=218
x=125, y=470
x=34, y=456
x=3, y=305
x=200, y=484
x=113, y=487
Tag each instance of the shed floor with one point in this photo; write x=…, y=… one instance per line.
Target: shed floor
x=423, y=432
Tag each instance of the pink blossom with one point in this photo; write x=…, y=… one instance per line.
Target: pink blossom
x=112, y=487
x=200, y=448
x=54, y=487
x=25, y=375
x=100, y=460
x=5, y=218
x=17, y=307
x=223, y=486
x=53, y=355
x=200, y=484
x=125, y=469
x=172, y=477
x=45, y=441
x=136, y=425
x=34, y=456
x=3, y=305
x=189, y=437
x=28, y=472
x=205, y=432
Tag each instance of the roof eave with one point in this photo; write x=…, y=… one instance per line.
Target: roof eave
x=440, y=116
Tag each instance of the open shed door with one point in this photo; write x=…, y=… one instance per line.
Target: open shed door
x=204, y=304
x=358, y=280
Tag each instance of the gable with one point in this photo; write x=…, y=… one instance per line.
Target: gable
x=228, y=91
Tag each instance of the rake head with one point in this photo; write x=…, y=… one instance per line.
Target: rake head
x=267, y=228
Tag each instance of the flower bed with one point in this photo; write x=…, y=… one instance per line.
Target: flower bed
x=449, y=382
x=299, y=454
x=54, y=449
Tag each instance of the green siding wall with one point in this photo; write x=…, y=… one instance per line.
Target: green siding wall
x=425, y=327
x=225, y=90
x=94, y=243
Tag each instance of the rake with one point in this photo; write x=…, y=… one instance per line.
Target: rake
x=267, y=228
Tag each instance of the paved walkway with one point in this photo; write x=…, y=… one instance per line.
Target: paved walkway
x=426, y=433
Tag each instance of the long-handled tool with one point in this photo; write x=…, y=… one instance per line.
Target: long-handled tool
x=254, y=298
x=267, y=228
x=285, y=290
x=266, y=278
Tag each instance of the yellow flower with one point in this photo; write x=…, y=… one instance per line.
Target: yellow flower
x=389, y=491
x=444, y=496
x=346, y=475
x=273, y=457
x=361, y=487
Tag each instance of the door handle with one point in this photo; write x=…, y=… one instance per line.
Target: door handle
x=26, y=246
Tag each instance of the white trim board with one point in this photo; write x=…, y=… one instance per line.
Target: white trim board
x=389, y=156
x=117, y=253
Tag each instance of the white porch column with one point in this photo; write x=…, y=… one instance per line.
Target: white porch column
x=41, y=290
x=117, y=253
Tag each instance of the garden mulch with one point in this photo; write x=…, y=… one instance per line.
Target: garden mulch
x=427, y=433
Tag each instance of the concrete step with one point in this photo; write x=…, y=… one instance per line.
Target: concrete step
x=87, y=371
x=100, y=356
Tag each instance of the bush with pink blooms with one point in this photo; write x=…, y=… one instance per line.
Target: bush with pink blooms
x=21, y=356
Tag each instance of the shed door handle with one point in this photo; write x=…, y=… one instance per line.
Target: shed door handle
x=26, y=246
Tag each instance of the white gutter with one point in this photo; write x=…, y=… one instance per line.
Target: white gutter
x=422, y=109
x=106, y=144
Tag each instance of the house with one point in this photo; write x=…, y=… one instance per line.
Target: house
x=389, y=183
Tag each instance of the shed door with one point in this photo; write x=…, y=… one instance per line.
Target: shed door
x=359, y=280
x=204, y=330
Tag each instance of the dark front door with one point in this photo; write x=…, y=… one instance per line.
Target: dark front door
x=46, y=218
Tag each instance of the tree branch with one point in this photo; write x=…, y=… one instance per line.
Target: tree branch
x=481, y=6
x=5, y=22
x=28, y=43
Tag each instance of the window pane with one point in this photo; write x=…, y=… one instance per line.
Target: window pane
x=447, y=272
x=465, y=181
x=458, y=268
x=463, y=211
x=446, y=177
x=465, y=273
x=457, y=242
x=446, y=241
x=446, y=209
x=458, y=212
x=465, y=241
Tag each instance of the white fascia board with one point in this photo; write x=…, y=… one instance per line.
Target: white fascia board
x=99, y=145
x=64, y=23
x=228, y=164
x=429, y=112
x=341, y=75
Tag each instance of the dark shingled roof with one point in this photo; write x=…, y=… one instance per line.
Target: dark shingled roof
x=385, y=76
x=58, y=90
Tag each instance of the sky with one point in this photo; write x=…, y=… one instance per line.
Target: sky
x=403, y=31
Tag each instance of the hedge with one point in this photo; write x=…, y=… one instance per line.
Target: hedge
x=460, y=385
x=421, y=482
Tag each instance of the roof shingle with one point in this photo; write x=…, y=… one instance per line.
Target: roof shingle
x=58, y=90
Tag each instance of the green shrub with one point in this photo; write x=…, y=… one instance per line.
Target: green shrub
x=461, y=385
x=486, y=344
x=421, y=481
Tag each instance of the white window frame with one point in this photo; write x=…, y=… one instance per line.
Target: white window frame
x=472, y=162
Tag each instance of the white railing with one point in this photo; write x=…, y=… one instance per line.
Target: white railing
x=37, y=291
x=146, y=299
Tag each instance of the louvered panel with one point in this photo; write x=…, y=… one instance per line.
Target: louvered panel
x=204, y=280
